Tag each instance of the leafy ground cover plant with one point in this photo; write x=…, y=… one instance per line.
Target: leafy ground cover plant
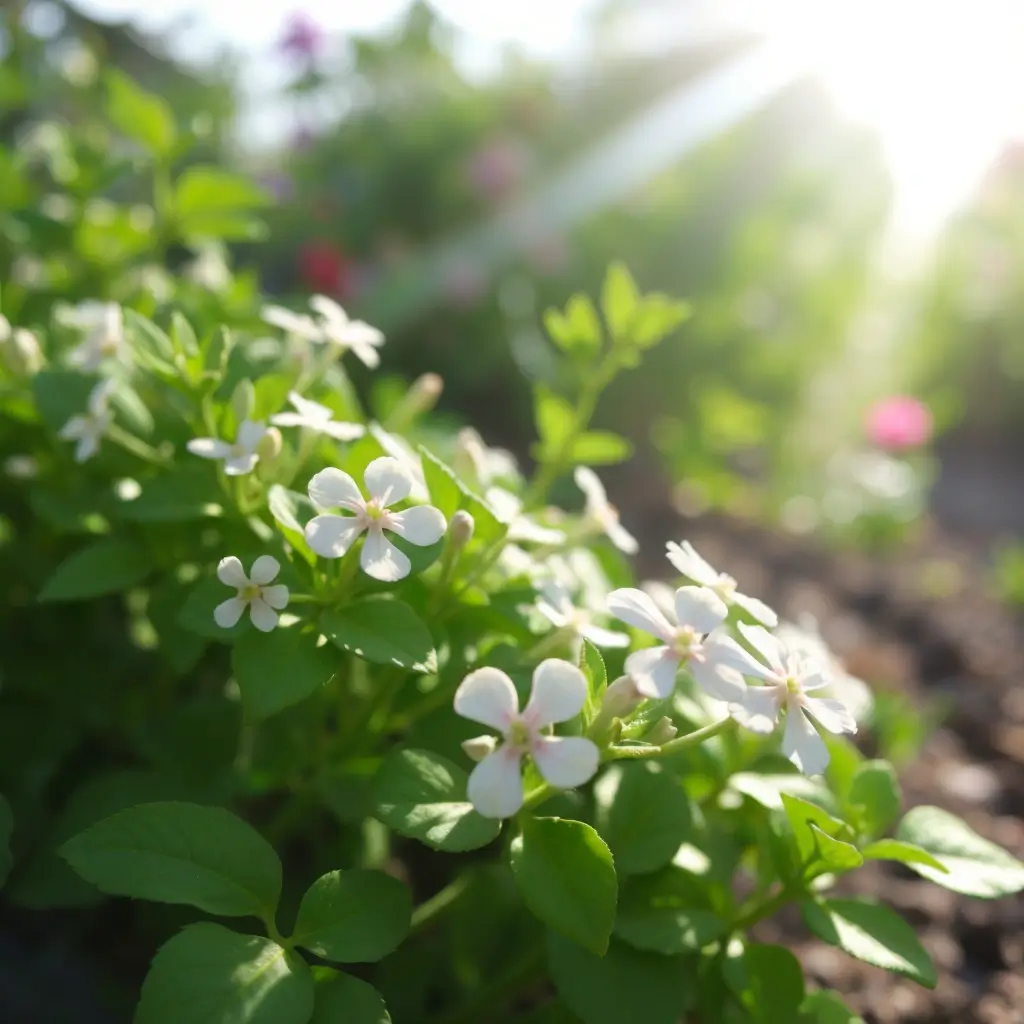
x=284, y=619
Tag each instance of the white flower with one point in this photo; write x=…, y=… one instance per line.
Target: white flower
x=348, y=335
x=691, y=565
x=20, y=350
x=509, y=510
x=698, y=612
x=556, y=605
x=314, y=416
x=240, y=457
x=789, y=676
x=399, y=449
x=210, y=269
x=299, y=325
x=559, y=692
x=483, y=465
x=89, y=428
x=253, y=592
x=601, y=513
x=103, y=323
x=388, y=482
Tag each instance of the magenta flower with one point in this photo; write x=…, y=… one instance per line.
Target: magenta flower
x=302, y=36
x=899, y=422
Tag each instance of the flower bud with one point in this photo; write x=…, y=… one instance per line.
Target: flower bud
x=621, y=697
x=479, y=747
x=243, y=400
x=663, y=731
x=21, y=467
x=421, y=397
x=460, y=529
x=270, y=445
x=21, y=352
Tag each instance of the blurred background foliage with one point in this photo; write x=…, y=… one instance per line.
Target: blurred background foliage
x=453, y=209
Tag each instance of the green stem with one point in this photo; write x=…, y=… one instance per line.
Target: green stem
x=427, y=911
x=765, y=908
x=543, y=792
x=132, y=444
x=691, y=739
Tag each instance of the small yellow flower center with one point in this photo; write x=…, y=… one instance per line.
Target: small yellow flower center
x=518, y=734
x=249, y=592
x=793, y=685
x=725, y=587
x=373, y=509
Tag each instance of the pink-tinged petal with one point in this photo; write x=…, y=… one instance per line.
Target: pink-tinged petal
x=690, y=564
x=228, y=612
x=770, y=648
x=388, y=480
x=601, y=637
x=231, y=573
x=802, y=744
x=209, y=448
x=276, y=596
x=831, y=714
x=621, y=537
x=721, y=649
x=700, y=608
x=758, y=710
x=264, y=618
x=381, y=559
x=487, y=696
x=718, y=680
x=341, y=431
x=331, y=536
x=420, y=525
x=331, y=488
x=240, y=465
x=654, y=671
x=565, y=761
x=250, y=433
x=264, y=570
x=495, y=786
x=590, y=484
x=636, y=609
x=758, y=609
x=558, y=693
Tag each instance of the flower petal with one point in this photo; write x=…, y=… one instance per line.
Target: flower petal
x=654, y=671
x=831, y=714
x=487, y=696
x=331, y=488
x=420, y=525
x=264, y=570
x=264, y=618
x=228, y=612
x=250, y=433
x=758, y=710
x=364, y=352
x=209, y=448
x=388, y=480
x=558, y=693
x=758, y=609
x=528, y=532
x=88, y=445
x=328, y=309
x=700, y=608
x=239, y=465
x=690, y=564
x=636, y=609
x=621, y=537
x=294, y=419
x=74, y=429
x=565, y=761
x=307, y=408
x=331, y=536
x=340, y=430
x=381, y=559
x=495, y=786
x=718, y=680
x=721, y=649
x=802, y=744
x=768, y=646
x=601, y=637
x=276, y=596
x=590, y=484
x=554, y=615
x=231, y=573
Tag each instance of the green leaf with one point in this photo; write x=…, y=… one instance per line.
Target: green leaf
x=620, y=302
x=826, y=1008
x=6, y=830
x=875, y=796
x=599, y=448
x=974, y=866
x=623, y=985
x=148, y=338
x=291, y=512
x=657, y=317
x=213, y=203
x=567, y=878
x=811, y=842
x=61, y=394
x=383, y=631
x=666, y=913
x=767, y=789
x=277, y=669
x=353, y=916
x=644, y=814
x=207, y=974
x=872, y=933
x=555, y=417
x=905, y=853
x=183, y=494
x=449, y=493
x=342, y=999
x=577, y=329
x=197, y=611
x=105, y=567
x=174, y=852
x=834, y=855
x=769, y=983
x=423, y=796
x=591, y=664
x=140, y=115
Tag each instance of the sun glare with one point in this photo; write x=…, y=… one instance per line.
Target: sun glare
x=942, y=81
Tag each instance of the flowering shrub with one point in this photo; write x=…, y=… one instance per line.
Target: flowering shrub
x=256, y=629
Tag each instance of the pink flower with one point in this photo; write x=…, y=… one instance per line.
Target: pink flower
x=302, y=37
x=899, y=422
